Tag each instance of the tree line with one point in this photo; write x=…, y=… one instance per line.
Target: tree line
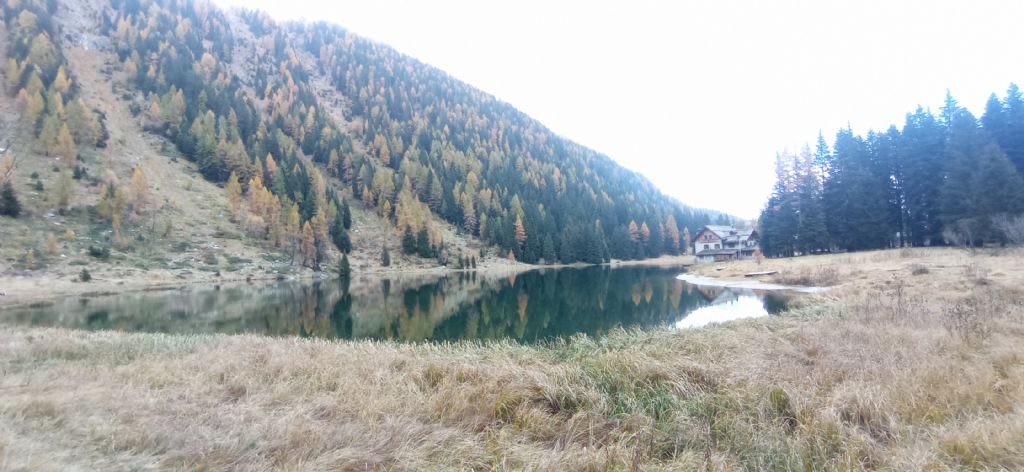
x=949, y=178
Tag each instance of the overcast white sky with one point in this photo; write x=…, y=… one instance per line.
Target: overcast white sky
x=699, y=96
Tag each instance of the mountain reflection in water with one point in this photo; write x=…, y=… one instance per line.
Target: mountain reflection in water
x=529, y=306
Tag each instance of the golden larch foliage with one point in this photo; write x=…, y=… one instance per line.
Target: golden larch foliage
x=65, y=146
x=520, y=230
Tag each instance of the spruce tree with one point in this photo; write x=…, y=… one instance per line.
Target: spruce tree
x=1013, y=136
x=423, y=243
x=998, y=190
x=548, y=250
x=920, y=148
x=385, y=257
x=812, y=234
x=408, y=241
x=346, y=214
x=9, y=204
x=341, y=238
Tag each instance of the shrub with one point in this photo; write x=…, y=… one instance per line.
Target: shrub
x=100, y=252
x=84, y=275
x=967, y=320
x=1012, y=228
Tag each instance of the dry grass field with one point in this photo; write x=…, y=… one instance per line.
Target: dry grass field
x=914, y=361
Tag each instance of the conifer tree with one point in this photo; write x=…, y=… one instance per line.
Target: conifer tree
x=9, y=204
x=548, y=250
x=423, y=243
x=408, y=241
x=346, y=215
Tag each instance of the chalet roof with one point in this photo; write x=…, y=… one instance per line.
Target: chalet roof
x=729, y=233
x=720, y=230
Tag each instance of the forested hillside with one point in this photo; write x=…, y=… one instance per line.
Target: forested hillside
x=946, y=179
x=483, y=165
x=301, y=124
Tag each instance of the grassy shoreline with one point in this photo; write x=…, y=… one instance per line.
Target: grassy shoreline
x=890, y=370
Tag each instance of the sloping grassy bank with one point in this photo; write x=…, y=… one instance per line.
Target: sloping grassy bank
x=889, y=375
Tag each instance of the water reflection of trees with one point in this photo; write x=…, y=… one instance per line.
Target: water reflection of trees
x=528, y=306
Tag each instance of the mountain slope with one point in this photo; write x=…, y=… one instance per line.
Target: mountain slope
x=304, y=128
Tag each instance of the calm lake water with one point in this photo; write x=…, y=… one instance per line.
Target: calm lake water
x=529, y=307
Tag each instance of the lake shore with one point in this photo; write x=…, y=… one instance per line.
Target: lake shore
x=912, y=361
x=41, y=286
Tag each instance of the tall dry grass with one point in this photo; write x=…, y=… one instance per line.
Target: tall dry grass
x=893, y=372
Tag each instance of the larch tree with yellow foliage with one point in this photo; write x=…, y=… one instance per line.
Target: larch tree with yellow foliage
x=64, y=147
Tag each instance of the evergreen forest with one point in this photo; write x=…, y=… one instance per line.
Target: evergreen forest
x=950, y=178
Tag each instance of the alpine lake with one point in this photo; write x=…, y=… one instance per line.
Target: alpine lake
x=532, y=306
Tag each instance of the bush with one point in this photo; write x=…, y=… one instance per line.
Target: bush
x=84, y=276
x=1012, y=228
x=100, y=252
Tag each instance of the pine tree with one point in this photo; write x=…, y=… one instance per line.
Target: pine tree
x=982, y=187
x=812, y=234
x=779, y=218
x=921, y=144
x=1013, y=136
x=340, y=237
x=346, y=215
x=385, y=257
x=423, y=243
x=549, y=250
x=408, y=241
x=9, y=204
